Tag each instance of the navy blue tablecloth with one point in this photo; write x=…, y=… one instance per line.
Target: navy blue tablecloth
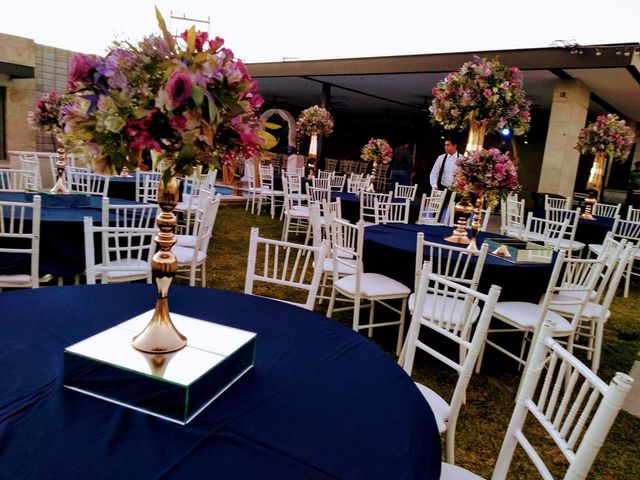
x=391, y=250
x=321, y=401
x=62, y=229
x=350, y=204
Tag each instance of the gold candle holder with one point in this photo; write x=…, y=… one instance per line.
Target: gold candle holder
x=160, y=335
x=589, y=202
x=475, y=224
x=59, y=186
x=462, y=211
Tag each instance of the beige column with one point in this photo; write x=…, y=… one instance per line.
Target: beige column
x=568, y=116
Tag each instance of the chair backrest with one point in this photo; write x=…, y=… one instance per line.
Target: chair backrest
x=391, y=212
x=562, y=214
x=147, y=186
x=356, y=183
x=382, y=177
x=31, y=162
x=266, y=176
x=405, y=191
x=450, y=218
x=572, y=404
x=549, y=232
x=324, y=174
x=14, y=180
x=290, y=265
x=611, y=251
x=606, y=210
x=556, y=202
x=626, y=229
x=453, y=263
x=331, y=164
x=347, y=242
x=633, y=214
x=318, y=195
x=450, y=324
x=20, y=236
x=295, y=171
x=204, y=222
x=430, y=208
x=128, y=215
x=292, y=188
x=337, y=182
x=323, y=183
x=82, y=181
x=368, y=207
x=347, y=166
x=512, y=216
x=120, y=246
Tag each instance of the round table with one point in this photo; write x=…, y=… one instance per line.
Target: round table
x=62, y=229
x=321, y=401
x=391, y=250
x=588, y=231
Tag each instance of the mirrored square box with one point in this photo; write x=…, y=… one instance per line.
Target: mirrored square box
x=175, y=386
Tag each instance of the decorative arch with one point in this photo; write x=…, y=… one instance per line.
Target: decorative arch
x=287, y=117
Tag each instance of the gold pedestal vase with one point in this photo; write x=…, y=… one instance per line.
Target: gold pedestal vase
x=313, y=154
x=589, y=203
x=160, y=335
x=462, y=211
x=477, y=132
x=476, y=224
x=597, y=171
x=59, y=186
x=374, y=175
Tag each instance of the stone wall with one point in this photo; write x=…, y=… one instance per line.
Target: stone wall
x=52, y=66
x=19, y=93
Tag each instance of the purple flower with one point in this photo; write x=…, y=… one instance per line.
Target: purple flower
x=180, y=87
x=80, y=69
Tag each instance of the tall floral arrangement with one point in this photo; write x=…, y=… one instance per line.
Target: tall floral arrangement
x=486, y=174
x=609, y=135
x=46, y=115
x=190, y=100
x=485, y=92
x=376, y=150
x=315, y=120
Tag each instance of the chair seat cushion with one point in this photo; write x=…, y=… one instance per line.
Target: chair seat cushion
x=123, y=270
x=188, y=241
x=185, y=255
x=17, y=279
x=439, y=407
x=562, y=304
x=454, y=472
x=526, y=315
x=595, y=248
x=445, y=305
x=373, y=285
x=567, y=244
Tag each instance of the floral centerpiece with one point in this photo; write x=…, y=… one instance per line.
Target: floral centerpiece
x=189, y=100
x=609, y=135
x=192, y=102
x=45, y=115
x=376, y=150
x=486, y=174
x=484, y=95
x=315, y=120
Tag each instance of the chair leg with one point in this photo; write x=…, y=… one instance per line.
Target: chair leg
x=273, y=206
x=356, y=313
x=371, y=317
x=597, y=346
x=332, y=302
x=403, y=312
x=627, y=281
x=203, y=271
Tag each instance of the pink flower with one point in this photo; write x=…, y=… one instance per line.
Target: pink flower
x=215, y=44
x=487, y=92
x=201, y=38
x=179, y=87
x=178, y=123
x=145, y=141
x=80, y=69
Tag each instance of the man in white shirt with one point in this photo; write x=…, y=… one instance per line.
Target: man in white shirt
x=443, y=171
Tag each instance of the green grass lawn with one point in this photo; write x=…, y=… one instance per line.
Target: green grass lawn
x=484, y=417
